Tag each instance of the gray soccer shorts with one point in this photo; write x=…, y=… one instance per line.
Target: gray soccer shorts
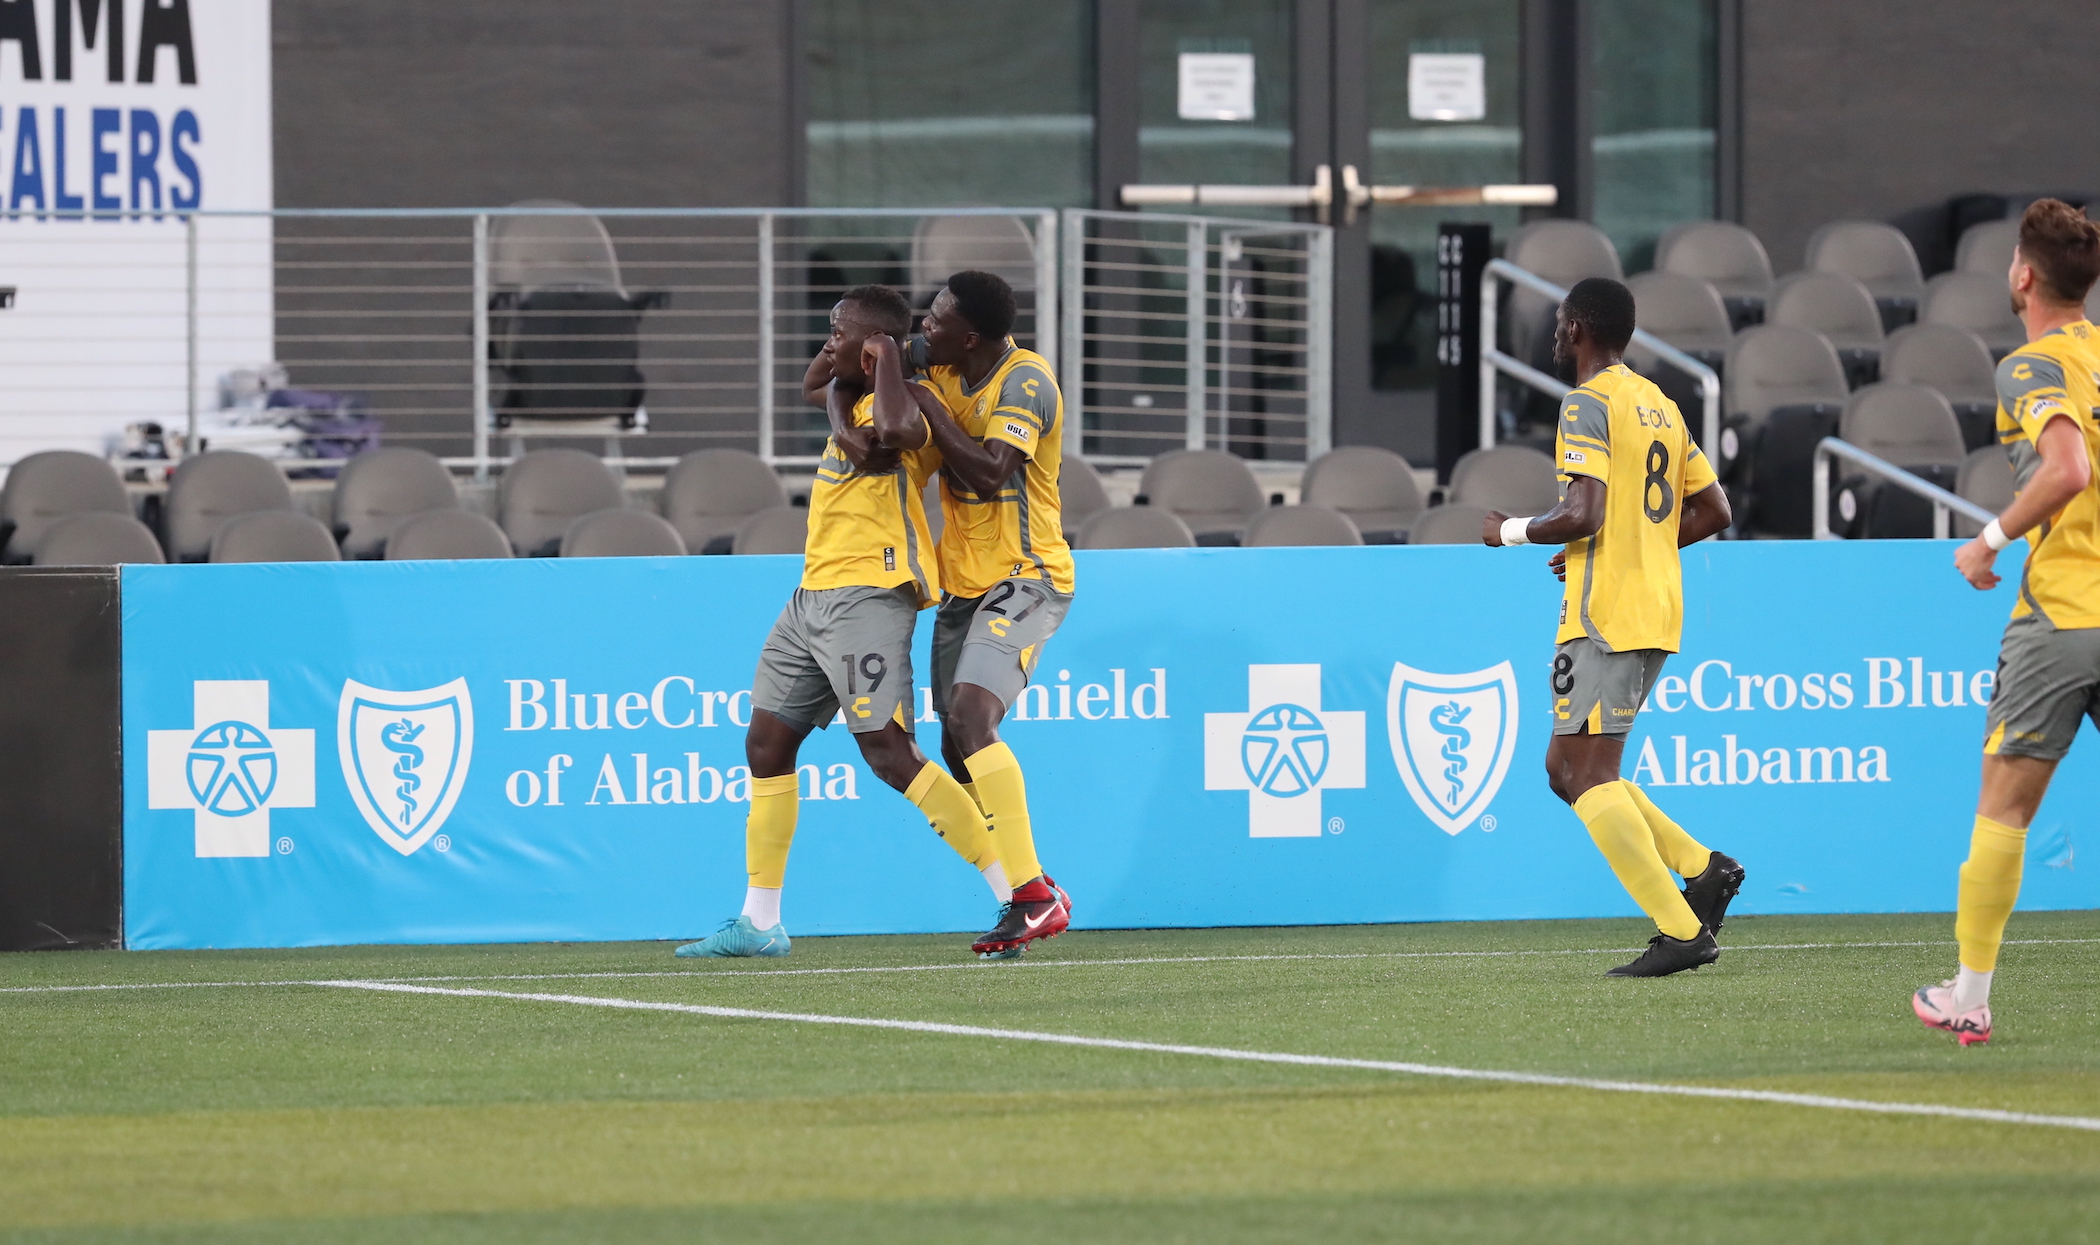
x=840, y=648
x=1597, y=691
x=2047, y=680
x=995, y=640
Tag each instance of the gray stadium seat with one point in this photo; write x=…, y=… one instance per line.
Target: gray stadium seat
x=783, y=529
x=48, y=486
x=213, y=487
x=942, y=246
x=546, y=490
x=709, y=492
x=1773, y=365
x=622, y=534
x=97, y=538
x=1724, y=255
x=1135, y=527
x=1955, y=362
x=1979, y=303
x=1454, y=523
x=1909, y=425
x=1685, y=312
x=1374, y=487
x=1514, y=479
x=1214, y=492
x=1081, y=494
x=447, y=535
x=564, y=332
x=1839, y=308
x=379, y=488
x=1563, y=252
x=1987, y=247
x=274, y=536
x=1281, y=526
x=1986, y=478
x=1876, y=255
x=1913, y=428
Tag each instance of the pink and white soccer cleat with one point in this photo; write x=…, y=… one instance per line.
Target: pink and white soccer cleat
x=1935, y=1006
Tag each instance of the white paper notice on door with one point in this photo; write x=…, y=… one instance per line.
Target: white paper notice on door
x=1447, y=86
x=1217, y=86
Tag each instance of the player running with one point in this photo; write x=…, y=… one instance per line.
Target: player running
x=2049, y=660
x=844, y=640
x=1638, y=490
x=1005, y=565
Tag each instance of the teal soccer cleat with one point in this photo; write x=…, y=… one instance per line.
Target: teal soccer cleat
x=739, y=938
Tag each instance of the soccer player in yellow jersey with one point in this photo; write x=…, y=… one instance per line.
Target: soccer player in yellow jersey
x=1005, y=565
x=1636, y=490
x=2049, y=660
x=843, y=644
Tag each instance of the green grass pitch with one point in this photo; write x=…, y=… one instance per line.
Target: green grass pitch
x=253, y=1113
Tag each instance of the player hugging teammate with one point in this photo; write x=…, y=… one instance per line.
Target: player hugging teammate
x=1636, y=490
x=988, y=417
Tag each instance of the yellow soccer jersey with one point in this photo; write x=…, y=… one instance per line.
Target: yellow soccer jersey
x=2056, y=376
x=1020, y=532
x=1625, y=589
x=870, y=528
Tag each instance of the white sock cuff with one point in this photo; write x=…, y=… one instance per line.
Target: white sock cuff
x=1971, y=989
x=995, y=877
x=762, y=905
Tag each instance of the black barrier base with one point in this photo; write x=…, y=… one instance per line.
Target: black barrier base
x=61, y=759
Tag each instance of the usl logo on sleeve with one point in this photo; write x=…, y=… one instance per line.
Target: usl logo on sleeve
x=1019, y=431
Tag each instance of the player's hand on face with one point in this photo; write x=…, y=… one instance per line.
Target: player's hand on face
x=1491, y=529
x=1974, y=560
x=1558, y=564
x=874, y=350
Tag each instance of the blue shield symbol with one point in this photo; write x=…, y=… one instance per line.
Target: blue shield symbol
x=1453, y=736
x=404, y=757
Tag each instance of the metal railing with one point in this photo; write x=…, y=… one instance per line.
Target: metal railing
x=1944, y=504
x=413, y=317
x=1494, y=360
x=1195, y=332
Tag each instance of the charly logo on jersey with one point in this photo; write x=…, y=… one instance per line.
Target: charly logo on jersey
x=1453, y=736
x=1283, y=751
x=230, y=767
x=405, y=757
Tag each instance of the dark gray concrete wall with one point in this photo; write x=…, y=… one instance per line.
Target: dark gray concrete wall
x=636, y=103
x=1885, y=108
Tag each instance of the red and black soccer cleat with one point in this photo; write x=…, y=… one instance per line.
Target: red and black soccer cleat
x=1038, y=910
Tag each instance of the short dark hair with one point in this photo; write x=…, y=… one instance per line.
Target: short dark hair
x=985, y=300
x=1605, y=308
x=2063, y=247
x=886, y=308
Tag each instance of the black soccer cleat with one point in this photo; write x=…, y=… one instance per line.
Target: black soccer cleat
x=1709, y=893
x=1038, y=910
x=1666, y=955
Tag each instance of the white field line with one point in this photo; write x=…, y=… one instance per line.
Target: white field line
x=726, y=972
x=1822, y=1101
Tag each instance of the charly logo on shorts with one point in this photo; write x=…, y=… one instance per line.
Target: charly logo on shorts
x=1453, y=736
x=405, y=757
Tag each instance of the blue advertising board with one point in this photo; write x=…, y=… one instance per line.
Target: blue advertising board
x=553, y=749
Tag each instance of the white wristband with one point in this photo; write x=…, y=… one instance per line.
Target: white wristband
x=1994, y=536
x=1513, y=531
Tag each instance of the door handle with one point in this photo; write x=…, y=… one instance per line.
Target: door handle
x=1354, y=195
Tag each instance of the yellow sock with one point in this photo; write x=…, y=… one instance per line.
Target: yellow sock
x=954, y=814
x=1990, y=883
x=971, y=787
x=1678, y=850
x=1005, y=797
x=770, y=828
x=1622, y=834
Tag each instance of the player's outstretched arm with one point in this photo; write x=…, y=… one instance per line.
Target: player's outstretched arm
x=898, y=421
x=1706, y=513
x=2063, y=474
x=1579, y=513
